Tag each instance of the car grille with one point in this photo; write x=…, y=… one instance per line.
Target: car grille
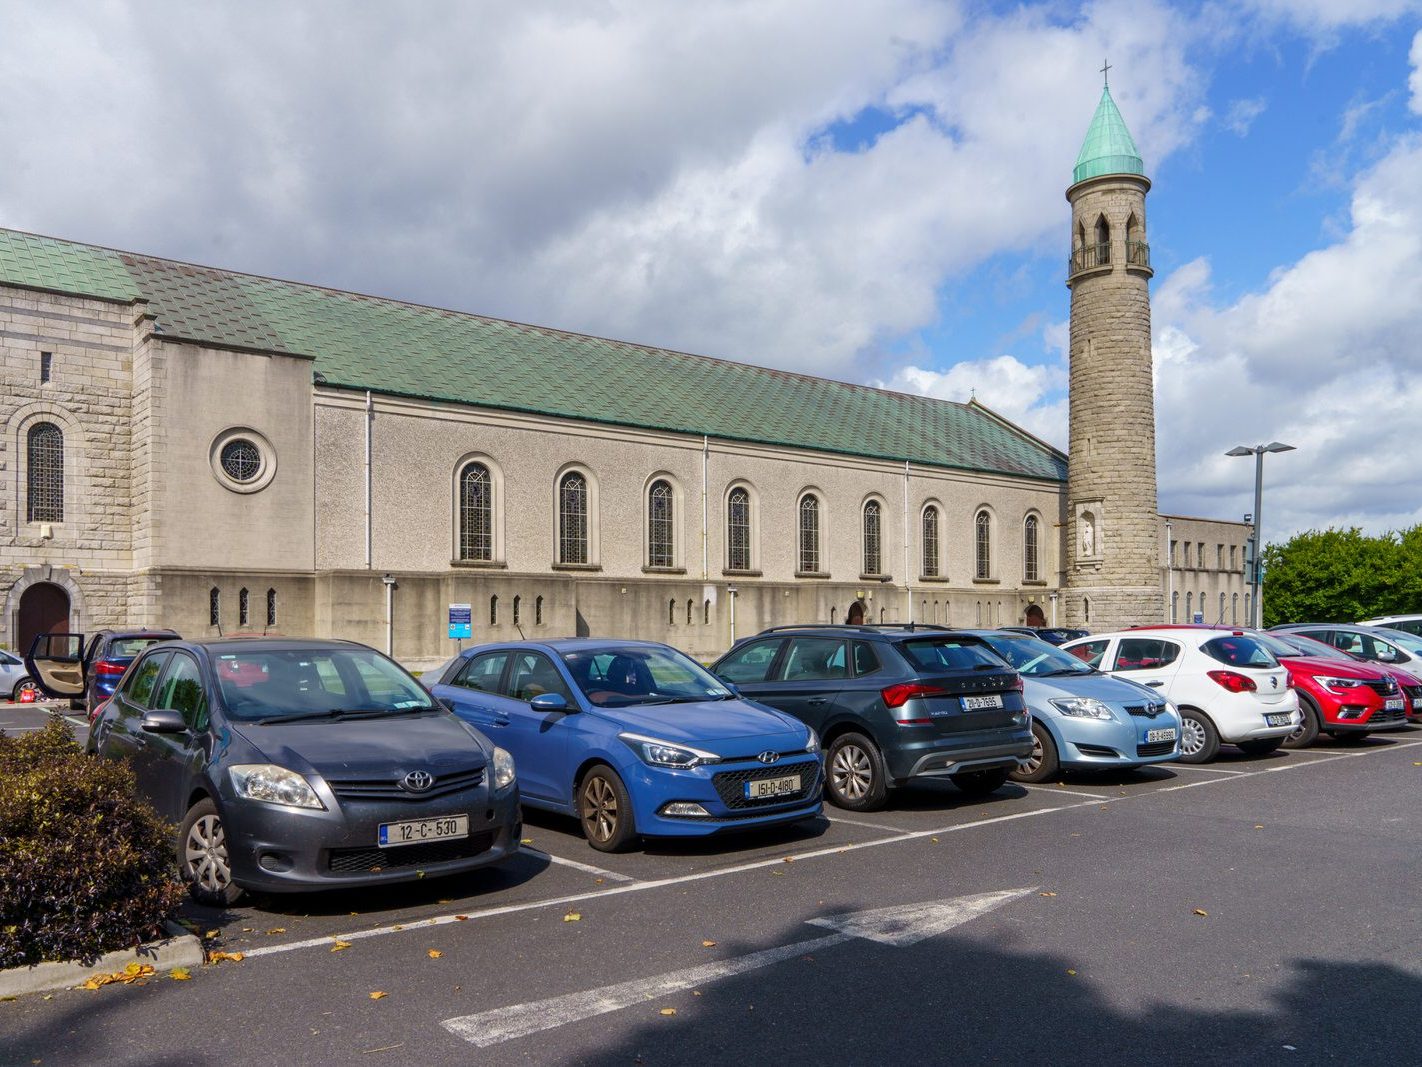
x=1148, y=711
x=391, y=789
x=370, y=860
x=1387, y=718
x=1386, y=686
x=729, y=785
x=1156, y=748
x=1414, y=694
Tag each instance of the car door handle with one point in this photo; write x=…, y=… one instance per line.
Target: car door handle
x=499, y=722
x=815, y=702
x=1155, y=684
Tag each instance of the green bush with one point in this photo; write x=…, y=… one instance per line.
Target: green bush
x=85, y=866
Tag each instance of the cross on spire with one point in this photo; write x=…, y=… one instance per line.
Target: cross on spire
x=1106, y=74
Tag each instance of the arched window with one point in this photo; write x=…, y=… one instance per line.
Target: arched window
x=45, y=460
x=1086, y=609
x=517, y=609
x=738, y=529
x=1234, y=610
x=980, y=613
x=671, y=612
x=809, y=533
x=244, y=613
x=690, y=607
x=1175, y=606
x=271, y=607
x=930, y=541
x=573, y=518
x=983, y=543
x=476, y=513
x=882, y=614
x=1248, y=614
x=1031, y=565
x=538, y=611
x=1189, y=607
x=214, y=606
x=1222, y=608
x=706, y=613
x=834, y=614
x=494, y=610
x=873, y=539
x=660, y=547
x=1103, y=240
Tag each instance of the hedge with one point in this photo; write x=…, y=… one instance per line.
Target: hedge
x=86, y=867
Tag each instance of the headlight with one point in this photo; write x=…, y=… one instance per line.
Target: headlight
x=1337, y=683
x=814, y=745
x=1083, y=708
x=661, y=753
x=503, y=769
x=273, y=785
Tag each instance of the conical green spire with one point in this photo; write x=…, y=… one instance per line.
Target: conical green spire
x=1109, y=148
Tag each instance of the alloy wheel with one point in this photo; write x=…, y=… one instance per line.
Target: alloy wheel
x=206, y=854
x=851, y=772
x=1034, y=761
x=600, y=812
x=26, y=686
x=1192, y=736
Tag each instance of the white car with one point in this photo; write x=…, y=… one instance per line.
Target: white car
x=1408, y=624
x=1229, y=687
x=14, y=681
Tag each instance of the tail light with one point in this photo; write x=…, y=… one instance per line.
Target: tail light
x=896, y=696
x=110, y=670
x=1234, y=682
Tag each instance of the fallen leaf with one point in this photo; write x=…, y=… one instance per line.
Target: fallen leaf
x=708, y=944
x=461, y=918
x=667, y=1011
x=212, y=933
x=340, y=945
x=1415, y=763
x=277, y=930
x=696, y=992
x=778, y=874
x=1258, y=826
x=1202, y=911
x=572, y=917
x=179, y=974
x=1070, y=971
x=218, y=957
x=419, y=874
x=789, y=859
x=526, y=841
x=1047, y=893
x=934, y=840
x=598, y=881
x=246, y=929
x=435, y=953
x=377, y=995
x=397, y=926
x=384, y=1048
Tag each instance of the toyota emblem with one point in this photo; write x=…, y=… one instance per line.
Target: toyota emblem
x=768, y=757
x=417, y=781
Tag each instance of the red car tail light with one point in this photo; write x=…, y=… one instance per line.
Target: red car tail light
x=1235, y=683
x=896, y=696
x=110, y=670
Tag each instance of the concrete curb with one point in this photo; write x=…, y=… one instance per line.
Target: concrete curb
x=180, y=949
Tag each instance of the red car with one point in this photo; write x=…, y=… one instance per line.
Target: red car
x=1338, y=695
x=1411, y=685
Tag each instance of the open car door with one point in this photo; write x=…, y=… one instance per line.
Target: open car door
x=58, y=664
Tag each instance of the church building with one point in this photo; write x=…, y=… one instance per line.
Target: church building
x=221, y=453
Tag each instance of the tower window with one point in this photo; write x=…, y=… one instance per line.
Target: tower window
x=46, y=365
x=45, y=481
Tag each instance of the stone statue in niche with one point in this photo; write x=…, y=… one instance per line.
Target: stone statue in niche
x=1088, y=535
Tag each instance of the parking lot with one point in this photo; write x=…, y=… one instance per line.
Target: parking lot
x=1263, y=909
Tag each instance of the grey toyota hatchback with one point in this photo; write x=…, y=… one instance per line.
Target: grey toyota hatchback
x=299, y=765
x=891, y=704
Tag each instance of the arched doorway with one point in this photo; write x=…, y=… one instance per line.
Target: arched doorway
x=855, y=615
x=44, y=609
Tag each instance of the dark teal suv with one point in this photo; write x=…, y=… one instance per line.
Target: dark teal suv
x=891, y=704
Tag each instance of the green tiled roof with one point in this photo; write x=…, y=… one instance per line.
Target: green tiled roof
x=1109, y=147
x=387, y=346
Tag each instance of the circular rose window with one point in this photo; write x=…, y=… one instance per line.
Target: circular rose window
x=242, y=460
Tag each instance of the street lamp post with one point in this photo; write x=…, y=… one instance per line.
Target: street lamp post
x=1255, y=610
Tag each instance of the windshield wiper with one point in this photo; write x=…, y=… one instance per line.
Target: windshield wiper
x=1066, y=670
x=343, y=713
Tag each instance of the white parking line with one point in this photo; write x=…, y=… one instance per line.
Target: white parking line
x=831, y=850
x=870, y=825
x=586, y=867
x=1211, y=770
x=1063, y=792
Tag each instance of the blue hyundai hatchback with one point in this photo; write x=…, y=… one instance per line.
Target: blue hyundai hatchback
x=1082, y=719
x=634, y=738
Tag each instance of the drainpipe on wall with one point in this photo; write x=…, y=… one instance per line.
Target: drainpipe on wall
x=389, y=583
x=731, y=595
x=705, y=543
x=1169, y=574
x=369, y=420
x=908, y=587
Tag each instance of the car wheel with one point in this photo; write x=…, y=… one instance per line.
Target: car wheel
x=1044, y=761
x=23, y=686
x=854, y=774
x=1261, y=747
x=981, y=783
x=1307, y=732
x=605, y=811
x=1199, y=740
x=203, y=859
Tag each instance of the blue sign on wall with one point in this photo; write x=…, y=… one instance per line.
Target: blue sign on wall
x=1199, y=617
x=461, y=621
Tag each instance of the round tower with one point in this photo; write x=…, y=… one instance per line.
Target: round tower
x=1113, y=559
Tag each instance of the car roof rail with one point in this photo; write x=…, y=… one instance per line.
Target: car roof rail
x=862, y=627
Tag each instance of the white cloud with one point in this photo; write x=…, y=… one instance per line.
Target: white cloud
x=1326, y=16
x=1031, y=396
x=1242, y=113
x=1414, y=80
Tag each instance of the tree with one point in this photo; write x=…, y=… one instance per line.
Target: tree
x=1342, y=576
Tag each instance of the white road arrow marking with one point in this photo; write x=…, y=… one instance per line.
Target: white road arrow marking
x=897, y=926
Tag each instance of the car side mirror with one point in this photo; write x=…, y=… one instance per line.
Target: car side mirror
x=550, y=702
x=164, y=721
x=1387, y=655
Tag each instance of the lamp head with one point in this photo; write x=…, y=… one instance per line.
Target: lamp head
x=1240, y=450
x=1278, y=446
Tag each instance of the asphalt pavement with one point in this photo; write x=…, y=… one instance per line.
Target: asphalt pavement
x=1256, y=911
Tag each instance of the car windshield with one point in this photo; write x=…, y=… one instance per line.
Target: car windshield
x=641, y=674
x=950, y=653
x=1036, y=658
x=128, y=647
x=1307, y=646
x=1285, y=648
x=1405, y=641
x=272, y=685
x=1239, y=650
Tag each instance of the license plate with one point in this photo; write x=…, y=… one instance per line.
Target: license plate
x=980, y=703
x=1160, y=735
x=1393, y=705
x=420, y=831
x=1278, y=720
x=772, y=787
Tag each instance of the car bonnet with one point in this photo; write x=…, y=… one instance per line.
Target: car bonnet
x=368, y=748
x=729, y=728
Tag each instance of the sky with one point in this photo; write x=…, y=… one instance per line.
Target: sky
x=871, y=191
